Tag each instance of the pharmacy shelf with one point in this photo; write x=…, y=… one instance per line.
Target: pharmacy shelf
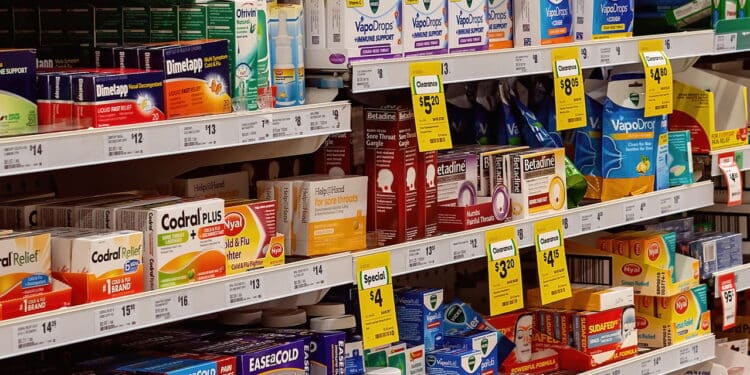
x=741, y=155
x=44, y=152
x=368, y=76
x=741, y=278
x=86, y=322
x=665, y=360
x=458, y=247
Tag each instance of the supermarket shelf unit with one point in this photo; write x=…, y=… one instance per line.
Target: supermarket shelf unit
x=459, y=247
x=741, y=155
x=378, y=75
x=741, y=278
x=46, y=152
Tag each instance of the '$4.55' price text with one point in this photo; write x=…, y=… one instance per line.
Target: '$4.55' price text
x=428, y=101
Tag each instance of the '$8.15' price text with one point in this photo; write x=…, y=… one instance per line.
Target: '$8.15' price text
x=428, y=101
x=568, y=84
x=658, y=73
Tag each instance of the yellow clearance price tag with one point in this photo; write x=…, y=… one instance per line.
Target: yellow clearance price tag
x=430, y=111
x=377, y=306
x=550, y=260
x=504, y=269
x=570, y=99
x=659, y=78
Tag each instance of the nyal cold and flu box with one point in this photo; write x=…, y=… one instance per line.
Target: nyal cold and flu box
x=250, y=235
x=101, y=266
x=420, y=313
x=425, y=27
x=467, y=29
x=184, y=242
x=18, y=92
x=25, y=265
x=196, y=77
x=369, y=30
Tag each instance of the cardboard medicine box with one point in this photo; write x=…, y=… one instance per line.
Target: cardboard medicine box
x=18, y=92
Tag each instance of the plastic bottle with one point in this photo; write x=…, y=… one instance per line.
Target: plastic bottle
x=284, y=75
x=300, y=42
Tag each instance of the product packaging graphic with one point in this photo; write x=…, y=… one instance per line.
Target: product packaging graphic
x=195, y=75
x=540, y=22
x=208, y=183
x=25, y=265
x=500, y=24
x=604, y=19
x=58, y=297
x=367, y=30
x=680, y=158
x=717, y=252
x=586, y=297
x=468, y=25
x=18, y=92
x=286, y=32
x=251, y=239
x=675, y=319
x=457, y=178
x=518, y=329
x=55, y=102
x=420, y=314
x=428, y=206
x=486, y=342
x=425, y=27
x=263, y=357
x=536, y=180
x=454, y=362
x=179, y=364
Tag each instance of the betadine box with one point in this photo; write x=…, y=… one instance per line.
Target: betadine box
x=420, y=313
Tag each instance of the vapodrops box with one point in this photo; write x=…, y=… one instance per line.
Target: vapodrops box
x=467, y=20
x=541, y=22
x=425, y=27
x=420, y=314
x=364, y=30
x=500, y=24
x=603, y=19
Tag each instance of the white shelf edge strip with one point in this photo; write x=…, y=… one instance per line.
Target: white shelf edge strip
x=742, y=152
x=377, y=75
x=44, y=152
x=741, y=278
x=90, y=321
x=664, y=360
x=462, y=246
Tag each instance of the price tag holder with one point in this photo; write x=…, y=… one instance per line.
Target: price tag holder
x=430, y=110
x=551, y=261
x=256, y=129
x=115, y=318
x=245, y=291
x=504, y=270
x=728, y=293
x=570, y=100
x=377, y=305
x=311, y=276
x=36, y=335
x=670, y=204
x=732, y=177
x=174, y=306
x=465, y=248
x=422, y=256
x=199, y=136
x=24, y=157
x=634, y=211
x=659, y=78
x=127, y=144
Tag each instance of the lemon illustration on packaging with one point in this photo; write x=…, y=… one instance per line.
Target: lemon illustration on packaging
x=557, y=193
x=644, y=166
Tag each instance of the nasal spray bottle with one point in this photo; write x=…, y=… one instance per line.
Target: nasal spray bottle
x=287, y=43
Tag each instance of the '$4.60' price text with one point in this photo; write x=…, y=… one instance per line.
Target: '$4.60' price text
x=428, y=101
x=568, y=84
x=502, y=267
x=658, y=73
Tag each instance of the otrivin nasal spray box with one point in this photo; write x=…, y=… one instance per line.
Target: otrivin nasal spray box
x=483, y=341
x=425, y=27
x=18, y=109
x=467, y=25
x=540, y=22
x=25, y=264
x=420, y=313
x=101, y=266
x=603, y=19
x=454, y=362
x=184, y=242
x=366, y=30
x=195, y=75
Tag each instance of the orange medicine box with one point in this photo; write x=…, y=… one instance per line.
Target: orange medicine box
x=250, y=235
x=25, y=265
x=196, y=76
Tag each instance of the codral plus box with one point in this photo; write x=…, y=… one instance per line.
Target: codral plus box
x=420, y=313
x=18, y=92
x=184, y=242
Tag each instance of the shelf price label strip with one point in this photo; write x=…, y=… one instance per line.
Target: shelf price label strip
x=377, y=304
x=504, y=270
x=570, y=100
x=659, y=78
x=554, y=280
x=430, y=110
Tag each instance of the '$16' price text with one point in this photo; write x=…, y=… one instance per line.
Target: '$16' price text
x=428, y=101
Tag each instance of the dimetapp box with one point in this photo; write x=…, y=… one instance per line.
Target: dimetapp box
x=184, y=242
x=468, y=25
x=250, y=236
x=195, y=75
x=55, y=102
x=25, y=265
x=103, y=100
x=18, y=92
x=425, y=27
x=392, y=162
x=101, y=266
x=540, y=22
x=420, y=314
x=366, y=30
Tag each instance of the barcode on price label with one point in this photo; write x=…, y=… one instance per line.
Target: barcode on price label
x=125, y=144
x=318, y=120
x=422, y=256
x=199, y=136
x=116, y=318
x=466, y=248
x=245, y=292
x=256, y=129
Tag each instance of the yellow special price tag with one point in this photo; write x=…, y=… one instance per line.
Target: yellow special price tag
x=570, y=99
x=377, y=306
x=504, y=270
x=659, y=78
x=550, y=260
x=430, y=110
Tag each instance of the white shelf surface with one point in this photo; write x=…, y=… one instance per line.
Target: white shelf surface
x=377, y=75
x=44, y=152
x=740, y=153
x=85, y=322
x=664, y=360
x=458, y=247
x=741, y=278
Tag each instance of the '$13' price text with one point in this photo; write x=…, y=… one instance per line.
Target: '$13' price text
x=428, y=101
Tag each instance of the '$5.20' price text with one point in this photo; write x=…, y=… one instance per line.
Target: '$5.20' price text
x=428, y=101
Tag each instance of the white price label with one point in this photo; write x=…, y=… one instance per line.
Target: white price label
x=199, y=136
x=422, y=256
x=368, y=78
x=725, y=42
x=126, y=144
x=312, y=276
x=115, y=318
x=318, y=120
x=245, y=291
x=571, y=223
x=287, y=125
x=669, y=204
x=174, y=306
x=36, y=335
x=728, y=290
x=634, y=211
x=526, y=62
x=24, y=157
x=468, y=247
x=652, y=366
x=690, y=355
x=256, y=129
x=609, y=55
x=525, y=234
x=732, y=178
x=593, y=220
